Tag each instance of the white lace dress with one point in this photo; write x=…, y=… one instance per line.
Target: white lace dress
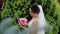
x=40, y=29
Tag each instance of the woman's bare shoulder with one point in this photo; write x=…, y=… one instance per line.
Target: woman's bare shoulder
x=35, y=22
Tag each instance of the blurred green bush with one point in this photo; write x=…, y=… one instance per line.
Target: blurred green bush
x=20, y=8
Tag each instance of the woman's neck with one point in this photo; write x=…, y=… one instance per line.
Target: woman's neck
x=36, y=16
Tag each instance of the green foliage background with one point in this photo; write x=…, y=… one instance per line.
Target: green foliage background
x=20, y=8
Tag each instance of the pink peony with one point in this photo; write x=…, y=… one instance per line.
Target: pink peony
x=22, y=21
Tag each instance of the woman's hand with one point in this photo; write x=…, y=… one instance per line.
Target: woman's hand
x=24, y=26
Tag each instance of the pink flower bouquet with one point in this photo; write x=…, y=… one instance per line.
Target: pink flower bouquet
x=23, y=22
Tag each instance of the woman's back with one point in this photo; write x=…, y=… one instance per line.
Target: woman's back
x=37, y=29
